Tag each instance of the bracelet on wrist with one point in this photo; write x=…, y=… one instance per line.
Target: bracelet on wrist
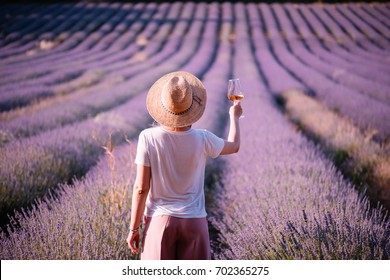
x=134, y=230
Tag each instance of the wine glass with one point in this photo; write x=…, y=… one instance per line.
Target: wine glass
x=235, y=91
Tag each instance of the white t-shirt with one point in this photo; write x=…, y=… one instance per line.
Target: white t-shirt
x=177, y=160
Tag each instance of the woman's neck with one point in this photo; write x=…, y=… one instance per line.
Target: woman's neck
x=170, y=128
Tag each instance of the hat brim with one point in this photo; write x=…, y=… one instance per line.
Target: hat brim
x=162, y=116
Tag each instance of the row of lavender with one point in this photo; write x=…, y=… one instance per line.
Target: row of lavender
x=352, y=92
x=280, y=198
x=104, y=218
x=127, y=116
x=102, y=61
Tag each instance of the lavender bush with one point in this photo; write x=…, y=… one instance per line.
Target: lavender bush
x=89, y=221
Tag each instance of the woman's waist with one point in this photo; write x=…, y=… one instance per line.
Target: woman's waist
x=175, y=210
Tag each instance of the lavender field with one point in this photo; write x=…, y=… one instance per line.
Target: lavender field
x=73, y=84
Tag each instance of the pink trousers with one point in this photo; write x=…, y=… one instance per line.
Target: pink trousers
x=172, y=238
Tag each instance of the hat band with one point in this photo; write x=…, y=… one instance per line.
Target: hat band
x=180, y=113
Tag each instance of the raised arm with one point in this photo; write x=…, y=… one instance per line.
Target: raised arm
x=232, y=144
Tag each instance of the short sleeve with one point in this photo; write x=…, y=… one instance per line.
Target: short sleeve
x=214, y=144
x=142, y=156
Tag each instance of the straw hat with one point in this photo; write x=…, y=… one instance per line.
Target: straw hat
x=177, y=99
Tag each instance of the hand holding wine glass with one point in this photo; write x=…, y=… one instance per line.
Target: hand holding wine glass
x=235, y=91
